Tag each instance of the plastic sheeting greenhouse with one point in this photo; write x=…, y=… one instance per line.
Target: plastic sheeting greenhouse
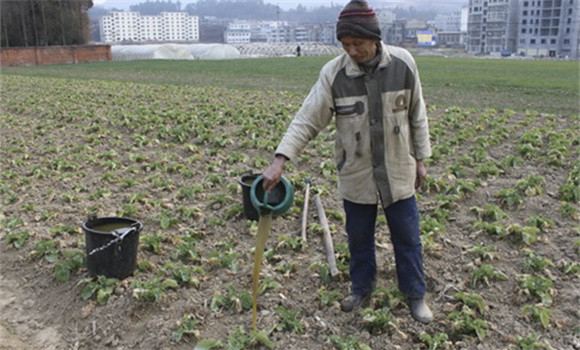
x=219, y=51
x=174, y=52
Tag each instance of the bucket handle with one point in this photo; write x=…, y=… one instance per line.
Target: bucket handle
x=119, y=235
x=264, y=204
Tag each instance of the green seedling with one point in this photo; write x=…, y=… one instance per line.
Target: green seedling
x=439, y=341
x=68, y=263
x=239, y=339
x=540, y=222
x=101, y=287
x=484, y=274
x=489, y=213
x=511, y=161
x=488, y=169
x=435, y=184
x=379, y=321
x=47, y=249
x=465, y=324
x=509, y=198
x=289, y=321
x=233, y=211
x=532, y=185
x=186, y=250
x=350, y=343
x=286, y=268
x=152, y=243
x=231, y=300
x=328, y=297
x=458, y=170
x=17, y=239
x=523, y=234
x=187, y=212
x=539, y=287
x=189, y=192
x=226, y=257
x=152, y=290
x=539, y=314
x=267, y=284
x=323, y=271
x=287, y=242
x=186, y=275
x=216, y=222
x=464, y=187
x=527, y=150
x=127, y=210
x=535, y=262
x=61, y=230
x=479, y=154
x=485, y=253
x=494, y=228
x=568, y=210
x=208, y=344
x=389, y=298
x=531, y=342
x=186, y=327
x=570, y=268
x=342, y=256
x=166, y=220
x=473, y=301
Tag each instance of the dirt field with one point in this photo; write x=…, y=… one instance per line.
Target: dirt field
x=71, y=148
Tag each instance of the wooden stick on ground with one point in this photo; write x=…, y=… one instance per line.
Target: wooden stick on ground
x=329, y=247
x=305, y=210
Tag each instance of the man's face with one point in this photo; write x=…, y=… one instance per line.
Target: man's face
x=360, y=50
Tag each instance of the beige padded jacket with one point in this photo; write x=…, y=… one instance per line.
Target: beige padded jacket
x=381, y=125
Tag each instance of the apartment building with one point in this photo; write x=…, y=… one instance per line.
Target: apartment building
x=492, y=26
x=549, y=28
x=131, y=26
x=239, y=32
x=449, y=22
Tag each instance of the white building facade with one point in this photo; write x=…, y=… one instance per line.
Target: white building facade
x=549, y=28
x=133, y=27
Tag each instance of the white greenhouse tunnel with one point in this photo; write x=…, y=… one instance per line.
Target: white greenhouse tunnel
x=219, y=51
x=174, y=52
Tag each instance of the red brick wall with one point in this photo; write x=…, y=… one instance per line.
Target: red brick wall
x=54, y=54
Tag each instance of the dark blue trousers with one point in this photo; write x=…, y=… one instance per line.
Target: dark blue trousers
x=403, y=221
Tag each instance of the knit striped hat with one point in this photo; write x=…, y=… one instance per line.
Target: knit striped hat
x=357, y=19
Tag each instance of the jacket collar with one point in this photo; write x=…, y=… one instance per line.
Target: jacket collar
x=353, y=70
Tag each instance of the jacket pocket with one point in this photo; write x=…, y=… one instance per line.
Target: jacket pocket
x=350, y=110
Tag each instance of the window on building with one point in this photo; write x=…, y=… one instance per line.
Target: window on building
x=532, y=41
x=543, y=41
x=567, y=41
x=526, y=3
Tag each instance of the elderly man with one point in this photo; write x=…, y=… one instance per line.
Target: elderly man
x=374, y=94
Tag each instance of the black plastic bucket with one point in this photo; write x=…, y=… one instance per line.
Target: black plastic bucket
x=246, y=182
x=120, y=258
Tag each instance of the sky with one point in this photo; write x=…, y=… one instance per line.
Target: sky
x=291, y=4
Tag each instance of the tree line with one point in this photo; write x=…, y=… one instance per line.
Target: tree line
x=44, y=22
x=259, y=10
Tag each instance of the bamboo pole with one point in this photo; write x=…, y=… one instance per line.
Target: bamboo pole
x=328, y=246
x=305, y=210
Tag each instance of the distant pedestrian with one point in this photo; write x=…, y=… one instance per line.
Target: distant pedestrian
x=298, y=51
x=382, y=136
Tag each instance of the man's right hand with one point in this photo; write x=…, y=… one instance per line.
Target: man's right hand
x=273, y=174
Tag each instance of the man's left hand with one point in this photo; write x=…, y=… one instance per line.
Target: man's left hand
x=421, y=174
